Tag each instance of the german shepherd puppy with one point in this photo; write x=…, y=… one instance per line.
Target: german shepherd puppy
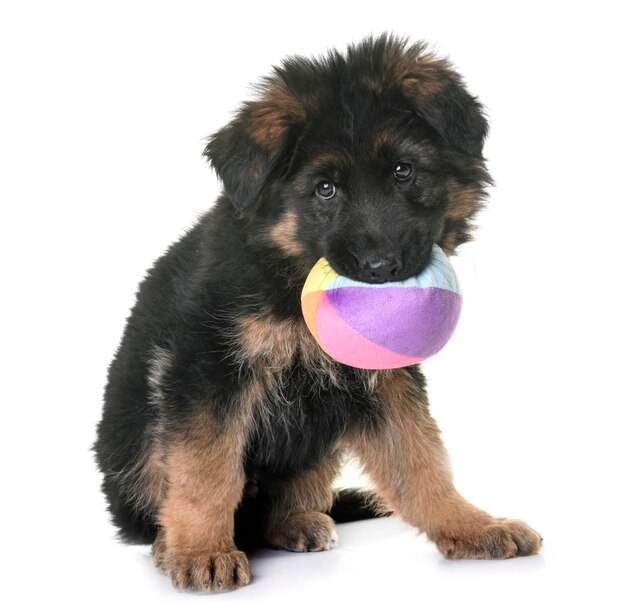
x=224, y=423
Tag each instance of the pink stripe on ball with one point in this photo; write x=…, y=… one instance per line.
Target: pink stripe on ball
x=349, y=347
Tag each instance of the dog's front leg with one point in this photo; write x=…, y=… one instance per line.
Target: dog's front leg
x=404, y=456
x=195, y=544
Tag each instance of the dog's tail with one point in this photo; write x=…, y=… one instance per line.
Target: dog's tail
x=353, y=504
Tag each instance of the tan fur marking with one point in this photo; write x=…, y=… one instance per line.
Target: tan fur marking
x=383, y=138
x=324, y=158
x=450, y=241
x=463, y=200
x=312, y=490
x=195, y=544
x=151, y=481
x=206, y=481
x=375, y=84
x=423, y=76
x=306, y=531
x=335, y=158
x=284, y=234
x=419, y=72
x=374, y=377
x=407, y=449
x=407, y=461
x=271, y=115
x=271, y=345
x=296, y=521
x=423, y=83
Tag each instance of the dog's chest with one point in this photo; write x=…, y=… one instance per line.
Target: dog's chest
x=298, y=423
x=308, y=400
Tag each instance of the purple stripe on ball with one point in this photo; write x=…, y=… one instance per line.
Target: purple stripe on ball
x=427, y=316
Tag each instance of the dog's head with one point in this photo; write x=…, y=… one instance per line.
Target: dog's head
x=366, y=158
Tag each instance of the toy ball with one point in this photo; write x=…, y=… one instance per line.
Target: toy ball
x=388, y=325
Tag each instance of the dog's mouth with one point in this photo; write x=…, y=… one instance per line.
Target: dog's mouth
x=382, y=271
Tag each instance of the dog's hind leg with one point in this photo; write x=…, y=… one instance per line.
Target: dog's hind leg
x=297, y=520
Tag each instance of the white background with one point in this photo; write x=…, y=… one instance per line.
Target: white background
x=103, y=111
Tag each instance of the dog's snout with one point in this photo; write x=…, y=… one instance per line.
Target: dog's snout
x=377, y=268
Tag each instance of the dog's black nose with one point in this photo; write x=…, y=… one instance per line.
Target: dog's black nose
x=380, y=269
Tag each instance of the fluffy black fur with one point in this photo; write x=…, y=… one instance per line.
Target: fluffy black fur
x=272, y=161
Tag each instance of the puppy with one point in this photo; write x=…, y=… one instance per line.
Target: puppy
x=224, y=423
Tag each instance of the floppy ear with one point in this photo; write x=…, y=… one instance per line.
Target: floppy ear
x=437, y=94
x=247, y=150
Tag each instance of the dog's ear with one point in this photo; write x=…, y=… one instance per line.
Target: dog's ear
x=436, y=93
x=250, y=148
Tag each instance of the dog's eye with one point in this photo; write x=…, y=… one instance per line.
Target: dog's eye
x=326, y=190
x=402, y=171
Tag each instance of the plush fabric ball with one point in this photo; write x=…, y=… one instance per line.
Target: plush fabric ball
x=385, y=325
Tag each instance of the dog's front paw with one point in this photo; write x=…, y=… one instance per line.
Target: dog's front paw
x=501, y=538
x=309, y=531
x=203, y=571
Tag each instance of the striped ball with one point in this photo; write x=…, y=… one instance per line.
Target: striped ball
x=387, y=325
